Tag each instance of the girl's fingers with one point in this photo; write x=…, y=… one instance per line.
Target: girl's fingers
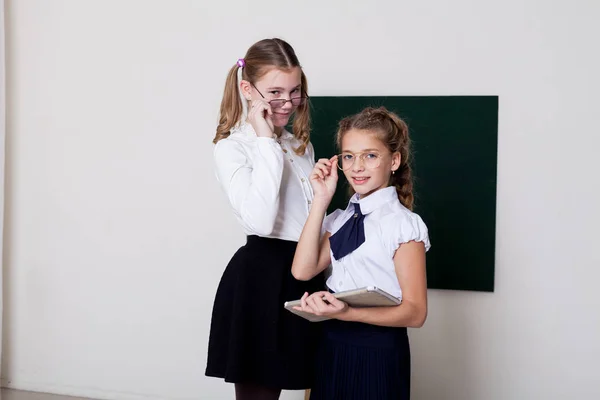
x=316, y=175
x=334, y=172
x=320, y=304
x=310, y=302
x=324, y=161
x=336, y=304
x=331, y=298
x=303, y=300
x=315, y=300
x=323, y=170
x=259, y=107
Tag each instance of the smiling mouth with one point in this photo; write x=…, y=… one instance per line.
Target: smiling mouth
x=359, y=180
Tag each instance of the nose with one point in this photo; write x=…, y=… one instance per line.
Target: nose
x=358, y=165
x=287, y=106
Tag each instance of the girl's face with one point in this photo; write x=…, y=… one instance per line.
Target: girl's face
x=275, y=87
x=366, y=161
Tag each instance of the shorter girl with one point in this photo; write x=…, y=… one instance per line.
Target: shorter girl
x=376, y=241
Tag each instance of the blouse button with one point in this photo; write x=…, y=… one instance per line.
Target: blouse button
x=302, y=179
x=291, y=160
x=284, y=150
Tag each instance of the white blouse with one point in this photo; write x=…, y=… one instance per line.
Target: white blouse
x=266, y=182
x=387, y=224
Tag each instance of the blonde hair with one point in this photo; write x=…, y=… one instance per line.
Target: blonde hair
x=393, y=133
x=259, y=59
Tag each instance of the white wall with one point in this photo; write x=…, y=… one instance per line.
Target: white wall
x=117, y=233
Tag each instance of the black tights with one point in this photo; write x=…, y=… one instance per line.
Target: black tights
x=249, y=391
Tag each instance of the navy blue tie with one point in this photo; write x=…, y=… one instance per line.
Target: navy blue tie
x=350, y=236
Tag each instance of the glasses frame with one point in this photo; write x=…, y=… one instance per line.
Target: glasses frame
x=304, y=98
x=359, y=156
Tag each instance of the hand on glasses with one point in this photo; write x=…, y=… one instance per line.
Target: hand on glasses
x=324, y=179
x=259, y=117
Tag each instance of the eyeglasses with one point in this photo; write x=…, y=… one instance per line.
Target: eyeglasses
x=279, y=103
x=370, y=159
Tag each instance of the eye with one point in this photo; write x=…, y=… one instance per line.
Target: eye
x=347, y=157
x=295, y=91
x=371, y=156
x=275, y=92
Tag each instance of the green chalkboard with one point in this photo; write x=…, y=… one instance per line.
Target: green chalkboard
x=454, y=149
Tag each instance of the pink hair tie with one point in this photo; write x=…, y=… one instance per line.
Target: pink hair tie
x=241, y=63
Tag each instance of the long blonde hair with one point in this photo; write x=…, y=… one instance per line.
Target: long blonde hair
x=393, y=133
x=259, y=59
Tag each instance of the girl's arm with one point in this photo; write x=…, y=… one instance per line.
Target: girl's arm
x=409, y=261
x=252, y=186
x=312, y=252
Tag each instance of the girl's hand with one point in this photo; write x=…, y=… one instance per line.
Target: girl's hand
x=259, y=117
x=324, y=178
x=322, y=304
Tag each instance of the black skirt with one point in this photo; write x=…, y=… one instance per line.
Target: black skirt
x=253, y=339
x=358, y=361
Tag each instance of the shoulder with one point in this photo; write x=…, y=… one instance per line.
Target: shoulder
x=238, y=141
x=398, y=213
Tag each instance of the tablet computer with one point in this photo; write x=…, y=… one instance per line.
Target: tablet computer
x=370, y=296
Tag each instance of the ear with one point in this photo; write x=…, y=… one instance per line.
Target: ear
x=396, y=160
x=246, y=89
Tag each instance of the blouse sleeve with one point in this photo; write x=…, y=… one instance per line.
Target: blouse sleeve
x=251, y=181
x=404, y=228
x=329, y=220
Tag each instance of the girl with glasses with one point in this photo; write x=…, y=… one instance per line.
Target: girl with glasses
x=264, y=172
x=376, y=241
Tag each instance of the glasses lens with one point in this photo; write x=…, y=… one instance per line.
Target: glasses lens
x=278, y=103
x=345, y=161
x=371, y=160
x=298, y=101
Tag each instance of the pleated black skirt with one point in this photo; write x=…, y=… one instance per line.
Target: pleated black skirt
x=253, y=339
x=358, y=361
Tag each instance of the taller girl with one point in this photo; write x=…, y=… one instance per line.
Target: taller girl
x=264, y=171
